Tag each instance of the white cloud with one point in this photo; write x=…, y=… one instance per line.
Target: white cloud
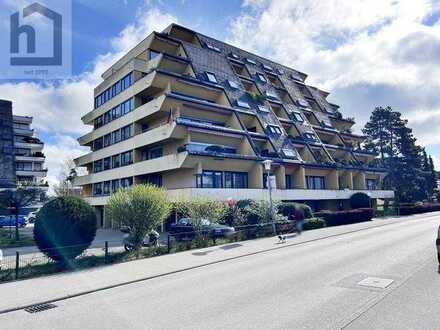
x=57, y=108
x=366, y=53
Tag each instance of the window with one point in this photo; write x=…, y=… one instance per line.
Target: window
x=211, y=77
x=106, y=190
x=250, y=61
x=315, y=182
x=114, y=90
x=371, y=184
x=125, y=132
x=243, y=104
x=116, y=161
x=272, y=95
x=212, y=179
x=107, y=117
x=115, y=185
x=155, y=179
x=263, y=108
x=99, y=121
x=126, y=182
x=236, y=180
x=297, y=116
x=274, y=129
x=289, y=181
x=152, y=54
x=280, y=71
x=212, y=47
x=233, y=84
x=126, y=158
x=107, y=140
x=98, y=144
x=116, y=136
x=116, y=112
x=23, y=166
x=97, y=166
x=107, y=163
x=97, y=189
x=267, y=67
x=155, y=153
x=289, y=153
x=234, y=56
x=261, y=77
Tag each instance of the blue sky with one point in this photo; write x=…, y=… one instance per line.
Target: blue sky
x=365, y=53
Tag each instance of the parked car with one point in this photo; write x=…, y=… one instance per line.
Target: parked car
x=9, y=220
x=1, y=259
x=184, y=229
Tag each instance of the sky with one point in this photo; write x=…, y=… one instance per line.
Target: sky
x=366, y=53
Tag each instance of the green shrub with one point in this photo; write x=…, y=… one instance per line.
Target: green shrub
x=64, y=228
x=141, y=208
x=360, y=200
x=338, y=218
x=313, y=223
x=288, y=209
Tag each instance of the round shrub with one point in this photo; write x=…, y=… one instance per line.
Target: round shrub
x=64, y=228
x=359, y=200
x=288, y=209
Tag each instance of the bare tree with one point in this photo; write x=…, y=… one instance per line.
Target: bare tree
x=64, y=187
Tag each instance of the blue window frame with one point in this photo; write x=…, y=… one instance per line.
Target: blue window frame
x=243, y=104
x=261, y=77
x=211, y=77
x=233, y=84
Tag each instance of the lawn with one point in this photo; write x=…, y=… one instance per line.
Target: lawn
x=26, y=239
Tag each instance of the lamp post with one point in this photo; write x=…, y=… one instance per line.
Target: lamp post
x=267, y=165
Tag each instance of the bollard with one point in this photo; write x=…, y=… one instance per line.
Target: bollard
x=213, y=239
x=106, y=252
x=168, y=243
x=17, y=264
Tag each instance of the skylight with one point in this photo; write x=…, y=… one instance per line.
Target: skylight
x=235, y=56
x=280, y=71
x=250, y=61
x=289, y=153
x=233, y=84
x=297, y=116
x=261, y=77
x=243, y=104
x=211, y=77
x=212, y=47
x=303, y=103
x=267, y=67
x=296, y=76
x=263, y=108
x=273, y=129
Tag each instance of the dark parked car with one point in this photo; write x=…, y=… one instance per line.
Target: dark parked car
x=438, y=248
x=9, y=220
x=184, y=229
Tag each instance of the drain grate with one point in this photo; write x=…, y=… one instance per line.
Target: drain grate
x=39, y=308
x=376, y=282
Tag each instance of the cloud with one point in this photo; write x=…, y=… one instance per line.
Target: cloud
x=57, y=108
x=366, y=53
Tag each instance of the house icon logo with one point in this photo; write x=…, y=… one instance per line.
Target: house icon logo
x=29, y=33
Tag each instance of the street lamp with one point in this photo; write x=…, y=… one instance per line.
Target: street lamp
x=267, y=165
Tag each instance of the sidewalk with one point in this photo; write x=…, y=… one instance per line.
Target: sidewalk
x=61, y=286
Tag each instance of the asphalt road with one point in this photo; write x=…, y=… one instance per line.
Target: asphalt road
x=313, y=285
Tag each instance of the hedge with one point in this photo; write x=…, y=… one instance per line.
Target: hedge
x=360, y=200
x=406, y=209
x=338, y=218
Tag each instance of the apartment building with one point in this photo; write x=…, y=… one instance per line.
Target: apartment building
x=198, y=117
x=28, y=153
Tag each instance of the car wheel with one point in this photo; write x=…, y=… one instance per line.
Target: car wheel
x=128, y=247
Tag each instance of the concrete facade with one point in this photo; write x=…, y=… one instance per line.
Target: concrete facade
x=7, y=164
x=198, y=116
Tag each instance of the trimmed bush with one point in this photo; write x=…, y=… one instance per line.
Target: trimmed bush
x=313, y=223
x=288, y=209
x=360, y=200
x=346, y=217
x=408, y=209
x=64, y=228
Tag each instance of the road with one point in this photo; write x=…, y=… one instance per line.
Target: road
x=314, y=285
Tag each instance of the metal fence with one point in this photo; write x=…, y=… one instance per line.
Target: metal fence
x=44, y=262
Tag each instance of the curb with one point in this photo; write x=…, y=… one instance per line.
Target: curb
x=108, y=287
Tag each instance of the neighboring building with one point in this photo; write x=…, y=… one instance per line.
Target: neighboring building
x=7, y=166
x=28, y=150
x=198, y=116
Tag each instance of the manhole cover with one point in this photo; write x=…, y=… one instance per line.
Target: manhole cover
x=376, y=282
